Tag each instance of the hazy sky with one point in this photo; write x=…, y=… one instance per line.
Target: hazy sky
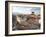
x=25, y=10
